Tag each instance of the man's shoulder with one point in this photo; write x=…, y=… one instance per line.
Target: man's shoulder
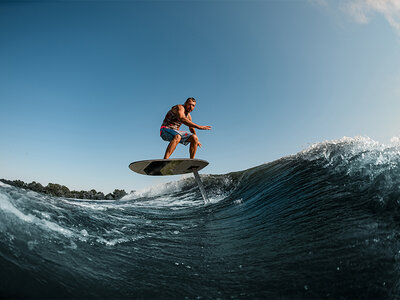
x=177, y=107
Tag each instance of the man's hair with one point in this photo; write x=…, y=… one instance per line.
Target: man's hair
x=190, y=99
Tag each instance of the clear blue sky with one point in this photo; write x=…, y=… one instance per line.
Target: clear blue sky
x=84, y=85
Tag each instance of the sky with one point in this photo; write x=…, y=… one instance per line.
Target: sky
x=85, y=85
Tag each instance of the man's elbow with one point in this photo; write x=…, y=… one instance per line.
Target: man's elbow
x=186, y=121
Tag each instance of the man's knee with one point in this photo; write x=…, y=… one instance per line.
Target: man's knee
x=194, y=138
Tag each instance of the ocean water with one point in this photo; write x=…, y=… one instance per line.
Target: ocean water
x=320, y=224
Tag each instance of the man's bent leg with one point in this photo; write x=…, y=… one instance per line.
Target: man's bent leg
x=172, y=145
x=194, y=141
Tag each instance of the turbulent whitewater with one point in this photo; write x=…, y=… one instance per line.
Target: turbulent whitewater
x=323, y=223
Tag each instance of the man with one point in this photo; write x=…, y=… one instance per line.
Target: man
x=173, y=120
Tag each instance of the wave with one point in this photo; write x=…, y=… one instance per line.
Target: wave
x=323, y=223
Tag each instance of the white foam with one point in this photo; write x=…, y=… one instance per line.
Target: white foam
x=2, y=184
x=112, y=242
x=395, y=141
x=7, y=206
x=157, y=190
x=348, y=147
x=84, y=204
x=174, y=203
x=319, y=148
x=359, y=156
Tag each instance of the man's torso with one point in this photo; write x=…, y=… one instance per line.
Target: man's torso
x=172, y=119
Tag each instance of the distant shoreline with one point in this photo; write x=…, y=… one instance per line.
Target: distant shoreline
x=57, y=190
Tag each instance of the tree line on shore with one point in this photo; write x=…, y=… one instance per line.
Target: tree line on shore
x=57, y=190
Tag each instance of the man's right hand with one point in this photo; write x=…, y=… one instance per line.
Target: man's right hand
x=205, y=127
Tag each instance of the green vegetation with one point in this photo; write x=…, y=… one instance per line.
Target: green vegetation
x=58, y=190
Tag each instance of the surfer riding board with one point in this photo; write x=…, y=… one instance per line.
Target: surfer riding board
x=169, y=131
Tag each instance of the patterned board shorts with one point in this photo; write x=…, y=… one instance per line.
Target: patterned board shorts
x=167, y=134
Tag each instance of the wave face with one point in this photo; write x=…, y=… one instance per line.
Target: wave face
x=323, y=223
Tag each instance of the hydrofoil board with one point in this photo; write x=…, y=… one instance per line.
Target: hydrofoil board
x=162, y=167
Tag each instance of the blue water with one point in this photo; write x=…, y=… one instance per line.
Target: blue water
x=323, y=223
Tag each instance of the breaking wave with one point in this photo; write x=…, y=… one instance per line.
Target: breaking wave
x=323, y=223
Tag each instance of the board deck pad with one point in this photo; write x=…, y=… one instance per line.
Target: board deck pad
x=162, y=167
